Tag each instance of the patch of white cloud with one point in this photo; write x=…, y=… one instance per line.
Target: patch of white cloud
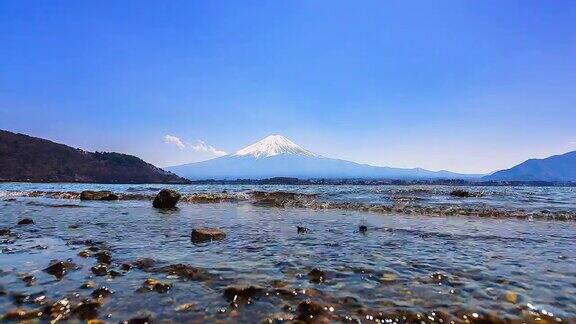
x=173, y=140
x=202, y=146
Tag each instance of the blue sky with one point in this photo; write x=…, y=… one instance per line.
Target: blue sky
x=469, y=86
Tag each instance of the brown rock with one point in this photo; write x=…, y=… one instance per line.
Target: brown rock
x=98, y=195
x=87, y=310
x=166, y=198
x=100, y=269
x=310, y=312
x=59, y=268
x=317, y=276
x=185, y=271
x=22, y=315
x=139, y=320
x=207, y=234
x=104, y=257
x=101, y=292
x=157, y=286
x=25, y=221
x=241, y=294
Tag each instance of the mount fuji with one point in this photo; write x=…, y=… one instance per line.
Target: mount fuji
x=277, y=156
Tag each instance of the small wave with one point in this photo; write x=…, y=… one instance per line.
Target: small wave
x=282, y=199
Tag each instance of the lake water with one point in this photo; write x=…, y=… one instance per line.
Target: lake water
x=507, y=253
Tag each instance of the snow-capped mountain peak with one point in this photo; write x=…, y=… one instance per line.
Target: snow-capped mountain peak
x=273, y=145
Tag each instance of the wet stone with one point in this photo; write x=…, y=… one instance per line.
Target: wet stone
x=100, y=269
x=22, y=315
x=59, y=268
x=511, y=297
x=84, y=253
x=439, y=278
x=4, y=231
x=60, y=309
x=139, y=320
x=241, y=294
x=101, y=292
x=25, y=221
x=461, y=193
x=363, y=229
x=309, y=311
x=185, y=271
x=302, y=230
x=206, y=234
x=88, y=285
x=316, y=276
x=104, y=257
x=125, y=267
x=87, y=310
x=29, y=280
x=98, y=195
x=143, y=264
x=157, y=286
x=114, y=273
x=166, y=198
x=185, y=307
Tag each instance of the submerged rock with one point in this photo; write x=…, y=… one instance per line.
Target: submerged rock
x=142, y=264
x=185, y=307
x=98, y=195
x=104, y=257
x=310, y=312
x=363, y=229
x=302, y=229
x=166, y=198
x=125, y=267
x=22, y=315
x=59, y=268
x=207, y=234
x=185, y=271
x=138, y=320
x=29, y=280
x=317, y=276
x=87, y=310
x=101, y=292
x=157, y=286
x=461, y=193
x=241, y=294
x=4, y=231
x=511, y=297
x=88, y=285
x=25, y=221
x=100, y=269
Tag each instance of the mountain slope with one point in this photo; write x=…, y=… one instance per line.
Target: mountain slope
x=26, y=158
x=277, y=156
x=554, y=168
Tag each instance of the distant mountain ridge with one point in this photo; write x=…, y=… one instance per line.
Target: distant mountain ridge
x=557, y=168
x=277, y=156
x=32, y=159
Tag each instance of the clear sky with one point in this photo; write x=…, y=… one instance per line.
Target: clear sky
x=469, y=86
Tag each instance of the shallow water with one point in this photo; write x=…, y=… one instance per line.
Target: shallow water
x=455, y=268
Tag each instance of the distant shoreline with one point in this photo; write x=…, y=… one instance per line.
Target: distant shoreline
x=332, y=182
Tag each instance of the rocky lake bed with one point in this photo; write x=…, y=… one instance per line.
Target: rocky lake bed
x=275, y=254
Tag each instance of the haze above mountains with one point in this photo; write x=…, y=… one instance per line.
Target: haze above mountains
x=26, y=158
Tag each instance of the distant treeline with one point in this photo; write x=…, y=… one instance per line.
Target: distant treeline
x=373, y=182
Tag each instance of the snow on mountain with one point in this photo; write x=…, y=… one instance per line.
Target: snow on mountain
x=277, y=156
x=273, y=145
